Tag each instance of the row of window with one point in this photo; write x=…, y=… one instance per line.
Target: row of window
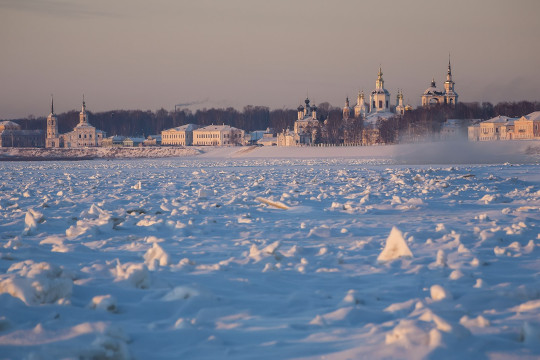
x=174, y=136
x=207, y=136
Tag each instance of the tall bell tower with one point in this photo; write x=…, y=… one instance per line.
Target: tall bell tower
x=52, y=139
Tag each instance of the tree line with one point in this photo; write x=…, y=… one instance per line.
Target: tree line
x=423, y=120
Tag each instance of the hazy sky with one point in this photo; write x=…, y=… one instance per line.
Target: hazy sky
x=135, y=54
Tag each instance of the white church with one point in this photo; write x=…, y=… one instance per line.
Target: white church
x=83, y=135
x=379, y=104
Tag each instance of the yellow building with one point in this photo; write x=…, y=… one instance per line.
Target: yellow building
x=506, y=128
x=218, y=135
x=527, y=127
x=493, y=128
x=181, y=135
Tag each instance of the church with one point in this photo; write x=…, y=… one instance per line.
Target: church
x=432, y=96
x=83, y=135
x=305, y=127
x=378, y=106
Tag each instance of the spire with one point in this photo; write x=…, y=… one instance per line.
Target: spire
x=83, y=117
x=52, y=104
x=449, y=74
x=380, y=82
x=433, y=82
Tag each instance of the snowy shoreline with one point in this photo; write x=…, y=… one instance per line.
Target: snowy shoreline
x=421, y=153
x=40, y=154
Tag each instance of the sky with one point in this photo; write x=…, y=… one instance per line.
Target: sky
x=147, y=55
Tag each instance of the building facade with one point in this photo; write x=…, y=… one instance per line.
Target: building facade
x=218, y=135
x=113, y=141
x=527, y=127
x=181, y=135
x=11, y=135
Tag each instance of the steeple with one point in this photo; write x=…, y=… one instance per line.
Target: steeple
x=380, y=82
x=449, y=74
x=346, y=109
x=83, y=117
x=52, y=128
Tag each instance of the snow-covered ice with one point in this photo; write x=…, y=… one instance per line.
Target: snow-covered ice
x=272, y=258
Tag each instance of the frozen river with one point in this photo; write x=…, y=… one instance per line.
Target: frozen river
x=271, y=259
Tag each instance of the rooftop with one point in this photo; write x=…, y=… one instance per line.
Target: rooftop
x=535, y=116
x=500, y=120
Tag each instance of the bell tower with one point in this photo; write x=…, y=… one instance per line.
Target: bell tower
x=52, y=139
x=450, y=95
x=83, y=116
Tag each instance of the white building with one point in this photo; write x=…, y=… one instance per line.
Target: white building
x=361, y=108
x=83, y=135
x=305, y=128
x=379, y=107
x=218, y=135
x=379, y=100
x=400, y=107
x=181, y=135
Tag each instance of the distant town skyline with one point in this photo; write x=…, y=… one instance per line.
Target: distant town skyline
x=138, y=55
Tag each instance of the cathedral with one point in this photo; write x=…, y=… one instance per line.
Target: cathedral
x=378, y=105
x=83, y=135
x=432, y=96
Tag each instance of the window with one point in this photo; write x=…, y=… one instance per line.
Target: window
x=380, y=104
x=373, y=103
